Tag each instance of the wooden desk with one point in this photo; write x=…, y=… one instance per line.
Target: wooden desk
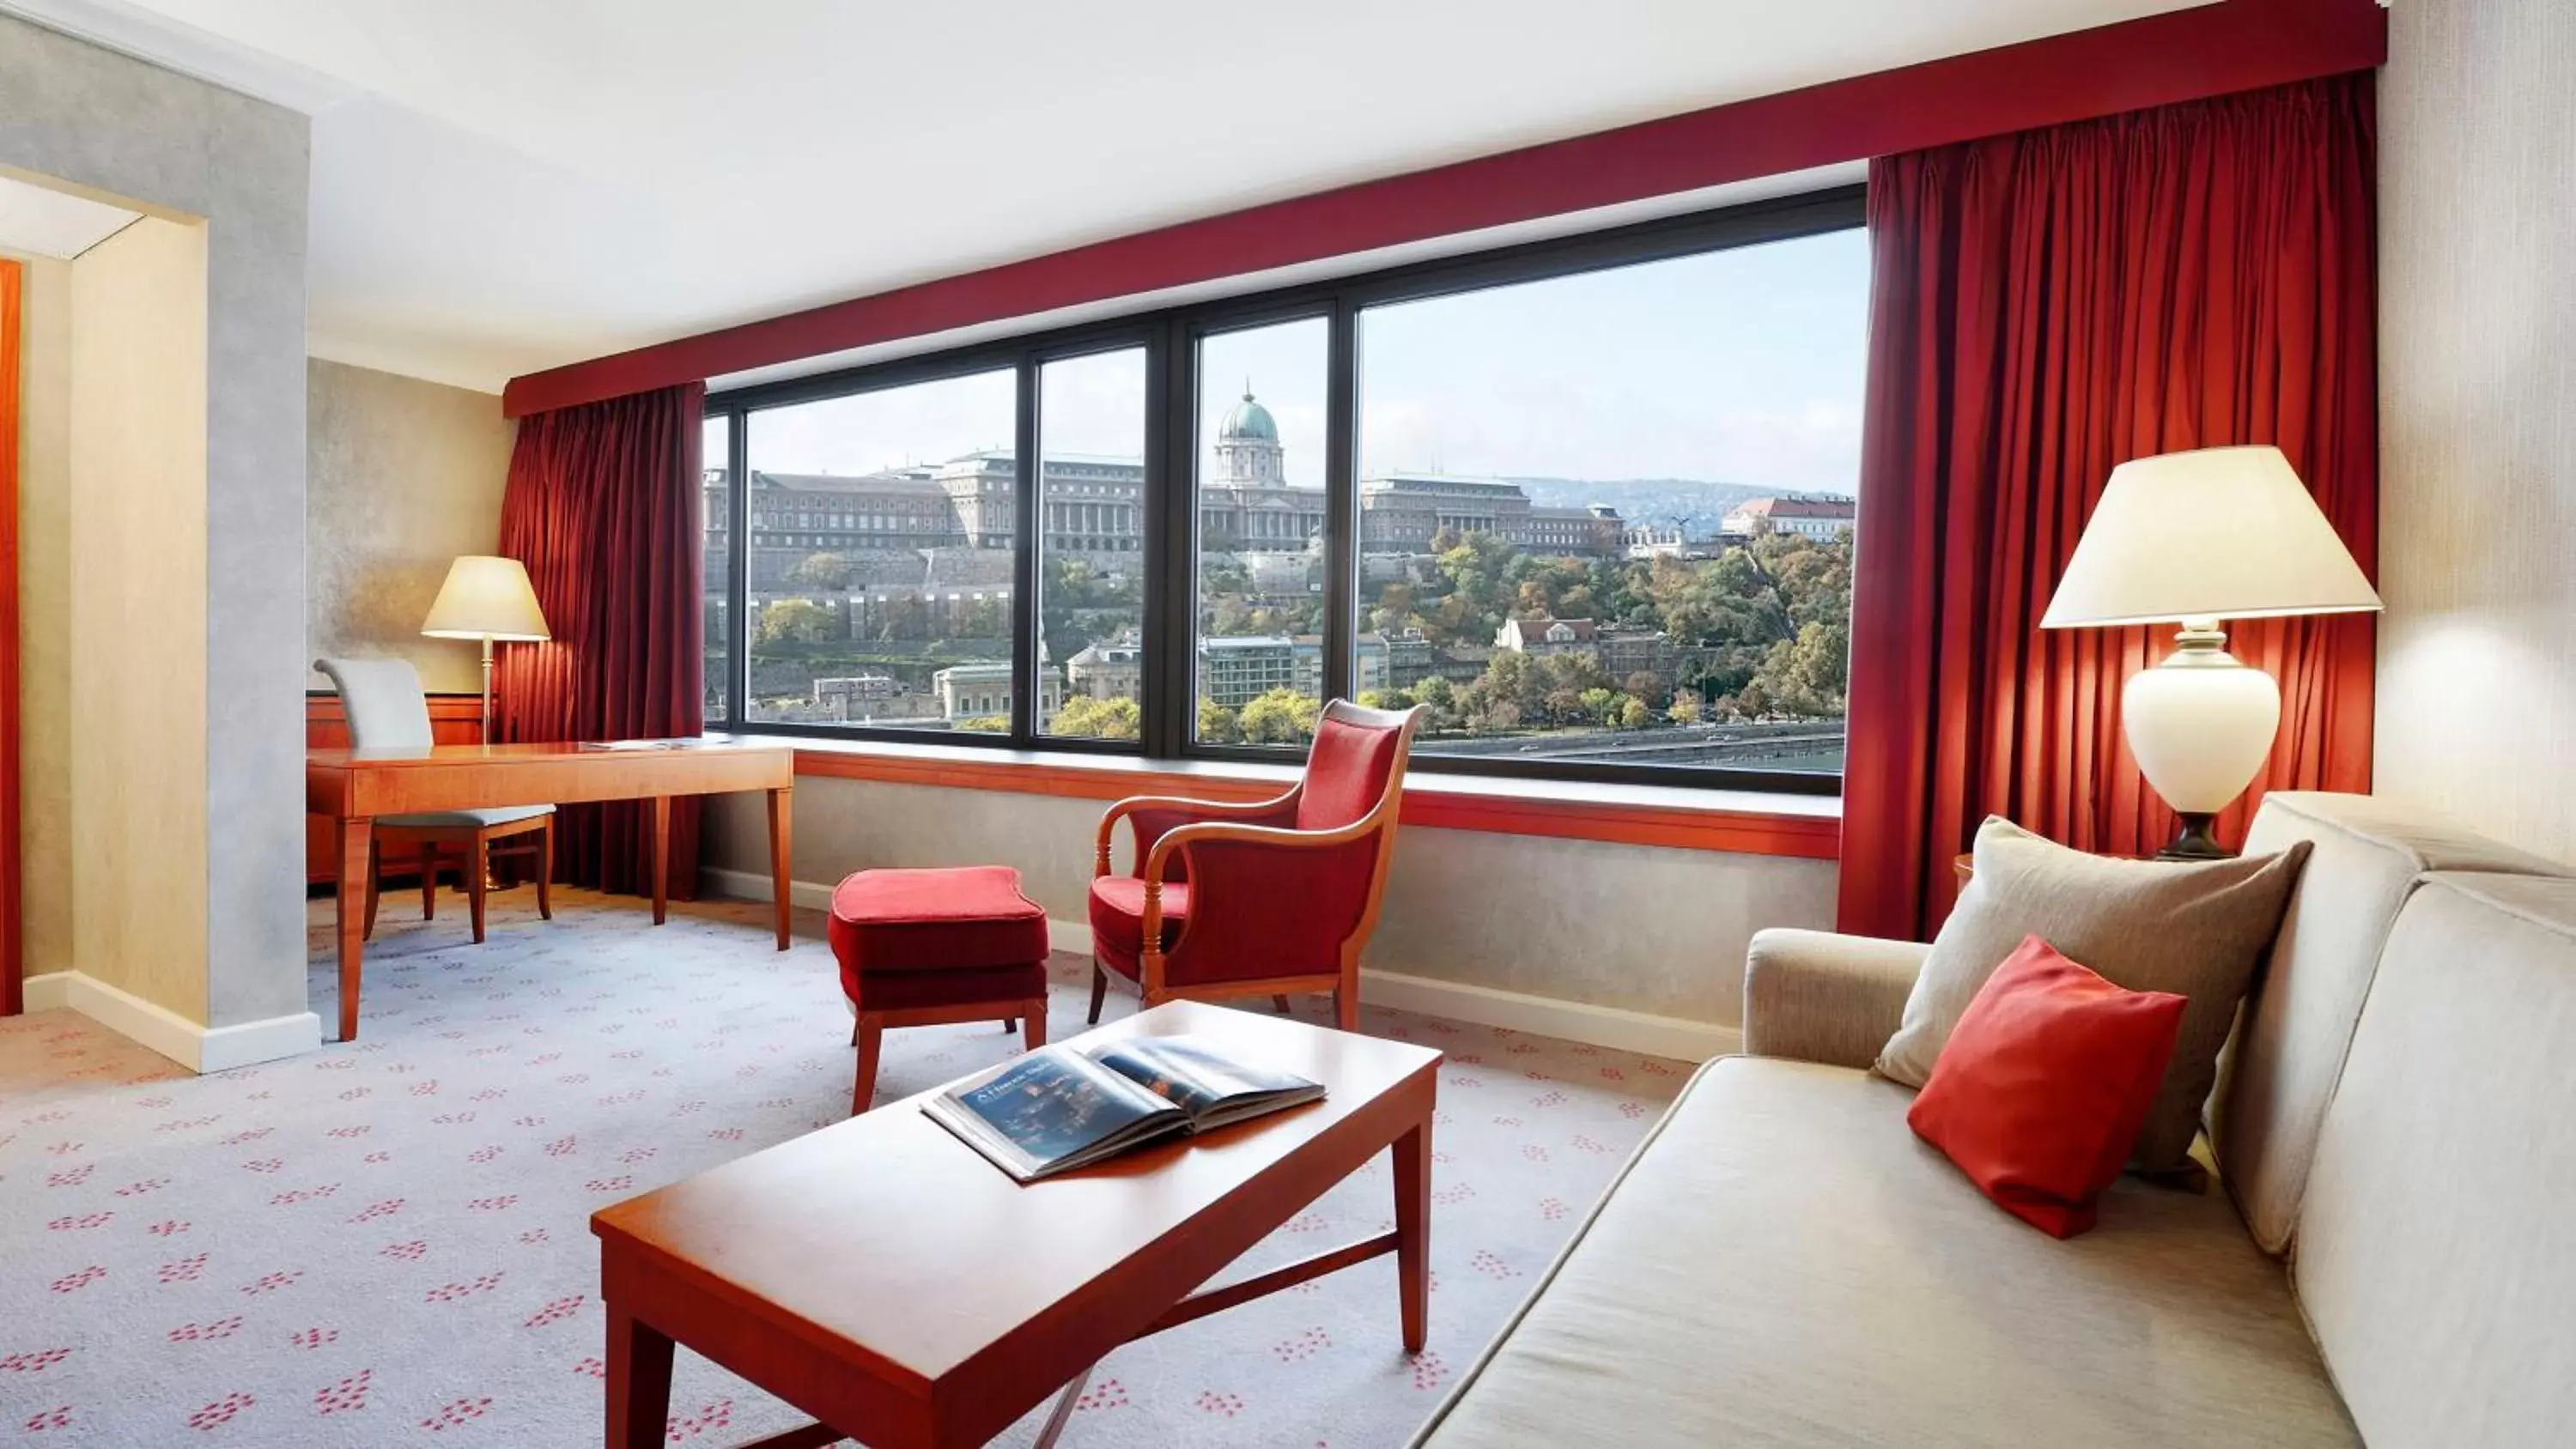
x=353, y=787
x=886, y=1279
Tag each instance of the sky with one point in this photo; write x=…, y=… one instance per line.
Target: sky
x=1738, y=366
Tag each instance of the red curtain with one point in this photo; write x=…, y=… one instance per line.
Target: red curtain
x=2046, y=305
x=602, y=506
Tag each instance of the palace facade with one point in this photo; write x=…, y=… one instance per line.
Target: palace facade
x=1094, y=507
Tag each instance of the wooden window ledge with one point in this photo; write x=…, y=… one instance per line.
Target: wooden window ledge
x=1672, y=817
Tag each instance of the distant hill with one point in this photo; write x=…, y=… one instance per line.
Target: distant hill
x=1694, y=503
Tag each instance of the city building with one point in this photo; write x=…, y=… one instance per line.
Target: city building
x=982, y=691
x=1236, y=669
x=1648, y=541
x=1545, y=636
x=1107, y=669
x=1816, y=518
x=1093, y=507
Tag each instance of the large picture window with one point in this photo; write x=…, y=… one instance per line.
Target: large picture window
x=880, y=567
x=1258, y=503
x=1590, y=503
x=1091, y=545
x=1608, y=517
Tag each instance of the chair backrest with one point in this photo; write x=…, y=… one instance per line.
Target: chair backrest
x=1356, y=764
x=383, y=700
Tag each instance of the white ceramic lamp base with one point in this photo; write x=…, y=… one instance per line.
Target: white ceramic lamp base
x=2201, y=725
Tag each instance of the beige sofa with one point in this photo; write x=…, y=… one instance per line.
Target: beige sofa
x=2392, y=1258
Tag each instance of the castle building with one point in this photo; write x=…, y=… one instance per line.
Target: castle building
x=1094, y=507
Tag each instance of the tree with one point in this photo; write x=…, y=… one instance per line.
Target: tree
x=797, y=621
x=1685, y=709
x=1217, y=724
x=821, y=571
x=983, y=619
x=1281, y=717
x=1633, y=713
x=1806, y=676
x=903, y=616
x=1106, y=719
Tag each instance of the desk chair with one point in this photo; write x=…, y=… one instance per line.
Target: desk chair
x=387, y=710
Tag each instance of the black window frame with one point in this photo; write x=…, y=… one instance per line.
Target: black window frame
x=1169, y=338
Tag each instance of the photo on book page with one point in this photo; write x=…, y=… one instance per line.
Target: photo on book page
x=1057, y=1108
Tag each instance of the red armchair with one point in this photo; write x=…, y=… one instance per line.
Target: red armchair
x=1263, y=899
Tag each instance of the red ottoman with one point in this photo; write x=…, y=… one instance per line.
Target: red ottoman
x=930, y=947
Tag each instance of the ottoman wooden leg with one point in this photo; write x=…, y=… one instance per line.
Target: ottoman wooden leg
x=1034, y=1019
x=871, y=1034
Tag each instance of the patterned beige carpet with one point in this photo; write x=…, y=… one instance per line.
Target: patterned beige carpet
x=386, y=1243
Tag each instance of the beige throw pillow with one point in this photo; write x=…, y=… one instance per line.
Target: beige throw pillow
x=2196, y=929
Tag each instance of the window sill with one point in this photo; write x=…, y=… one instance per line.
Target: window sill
x=1732, y=821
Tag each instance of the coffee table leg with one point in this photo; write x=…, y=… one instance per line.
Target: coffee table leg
x=1413, y=1234
x=1063, y=1411
x=639, y=1382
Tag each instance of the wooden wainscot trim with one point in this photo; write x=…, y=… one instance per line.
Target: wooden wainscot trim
x=1431, y=801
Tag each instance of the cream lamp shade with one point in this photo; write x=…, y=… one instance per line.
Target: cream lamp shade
x=2218, y=533
x=486, y=598
x=2193, y=538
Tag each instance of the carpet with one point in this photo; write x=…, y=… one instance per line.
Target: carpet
x=387, y=1242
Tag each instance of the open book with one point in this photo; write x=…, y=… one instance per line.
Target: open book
x=1057, y=1108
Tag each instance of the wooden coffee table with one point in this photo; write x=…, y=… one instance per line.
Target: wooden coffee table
x=883, y=1277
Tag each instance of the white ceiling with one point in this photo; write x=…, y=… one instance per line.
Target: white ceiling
x=42, y=222
x=501, y=186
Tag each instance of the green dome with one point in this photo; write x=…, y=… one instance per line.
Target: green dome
x=1250, y=420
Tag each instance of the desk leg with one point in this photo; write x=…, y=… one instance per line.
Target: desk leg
x=639, y=1382
x=357, y=848
x=1413, y=1234
x=661, y=857
x=782, y=830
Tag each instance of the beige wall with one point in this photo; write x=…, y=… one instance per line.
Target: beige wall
x=401, y=477
x=173, y=145
x=1641, y=929
x=2477, y=682
x=138, y=633
x=45, y=614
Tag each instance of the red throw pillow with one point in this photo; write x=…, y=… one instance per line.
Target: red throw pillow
x=2041, y=1090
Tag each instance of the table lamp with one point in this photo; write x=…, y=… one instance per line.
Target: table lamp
x=486, y=598
x=2190, y=539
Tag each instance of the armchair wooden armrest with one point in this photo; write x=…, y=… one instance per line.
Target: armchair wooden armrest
x=1311, y=846
x=1193, y=810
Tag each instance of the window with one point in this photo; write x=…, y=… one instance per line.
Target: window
x=715, y=522
x=1091, y=544
x=1591, y=502
x=914, y=631
x=1258, y=485
x=1607, y=518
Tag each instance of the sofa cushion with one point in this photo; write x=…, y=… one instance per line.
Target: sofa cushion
x=2364, y=857
x=1784, y=1263
x=2434, y=1252
x=2195, y=929
x=2039, y=1093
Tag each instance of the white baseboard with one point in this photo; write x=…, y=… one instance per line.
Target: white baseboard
x=198, y=1048
x=1604, y=1026
x=751, y=885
